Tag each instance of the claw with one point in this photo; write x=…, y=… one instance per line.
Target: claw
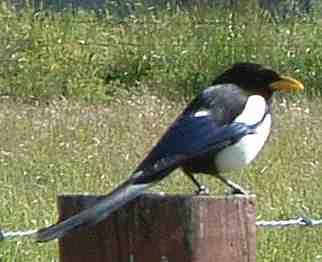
x=203, y=191
x=237, y=190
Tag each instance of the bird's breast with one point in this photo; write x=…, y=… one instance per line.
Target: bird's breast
x=244, y=151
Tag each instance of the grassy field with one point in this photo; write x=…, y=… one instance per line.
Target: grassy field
x=170, y=53
x=83, y=100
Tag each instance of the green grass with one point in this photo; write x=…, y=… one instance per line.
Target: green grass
x=77, y=147
x=125, y=81
x=170, y=53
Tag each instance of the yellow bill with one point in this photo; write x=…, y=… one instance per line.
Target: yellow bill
x=287, y=84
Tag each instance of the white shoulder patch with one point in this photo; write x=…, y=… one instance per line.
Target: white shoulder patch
x=218, y=86
x=201, y=113
x=253, y=112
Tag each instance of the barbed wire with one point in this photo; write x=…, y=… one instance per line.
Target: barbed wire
x=18, y=234
x=274, y=224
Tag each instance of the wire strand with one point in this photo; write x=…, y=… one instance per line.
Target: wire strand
x=273, y=224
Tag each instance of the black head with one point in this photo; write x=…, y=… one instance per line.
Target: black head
x=257, y=79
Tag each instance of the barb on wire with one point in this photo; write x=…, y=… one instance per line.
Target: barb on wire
x=299, y=222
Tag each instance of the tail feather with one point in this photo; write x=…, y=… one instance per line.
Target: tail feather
x=126, y=192
x=99, y=211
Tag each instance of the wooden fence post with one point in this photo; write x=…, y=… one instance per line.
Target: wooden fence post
x=164, y=228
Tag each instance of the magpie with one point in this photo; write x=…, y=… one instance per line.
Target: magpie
x=222, y=129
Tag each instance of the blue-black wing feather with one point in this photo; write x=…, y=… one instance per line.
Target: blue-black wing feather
x=191, y=133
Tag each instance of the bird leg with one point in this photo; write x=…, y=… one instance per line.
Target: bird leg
x=236, y=189
x=202, y=189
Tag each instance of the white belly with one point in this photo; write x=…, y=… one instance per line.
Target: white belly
x=245, y=150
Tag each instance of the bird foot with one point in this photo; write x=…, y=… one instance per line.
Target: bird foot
x=203, y=191
x=237, y=190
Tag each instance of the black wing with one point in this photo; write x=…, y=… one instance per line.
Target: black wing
x=206, y=122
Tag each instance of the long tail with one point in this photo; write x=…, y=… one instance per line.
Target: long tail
x=126, y=192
